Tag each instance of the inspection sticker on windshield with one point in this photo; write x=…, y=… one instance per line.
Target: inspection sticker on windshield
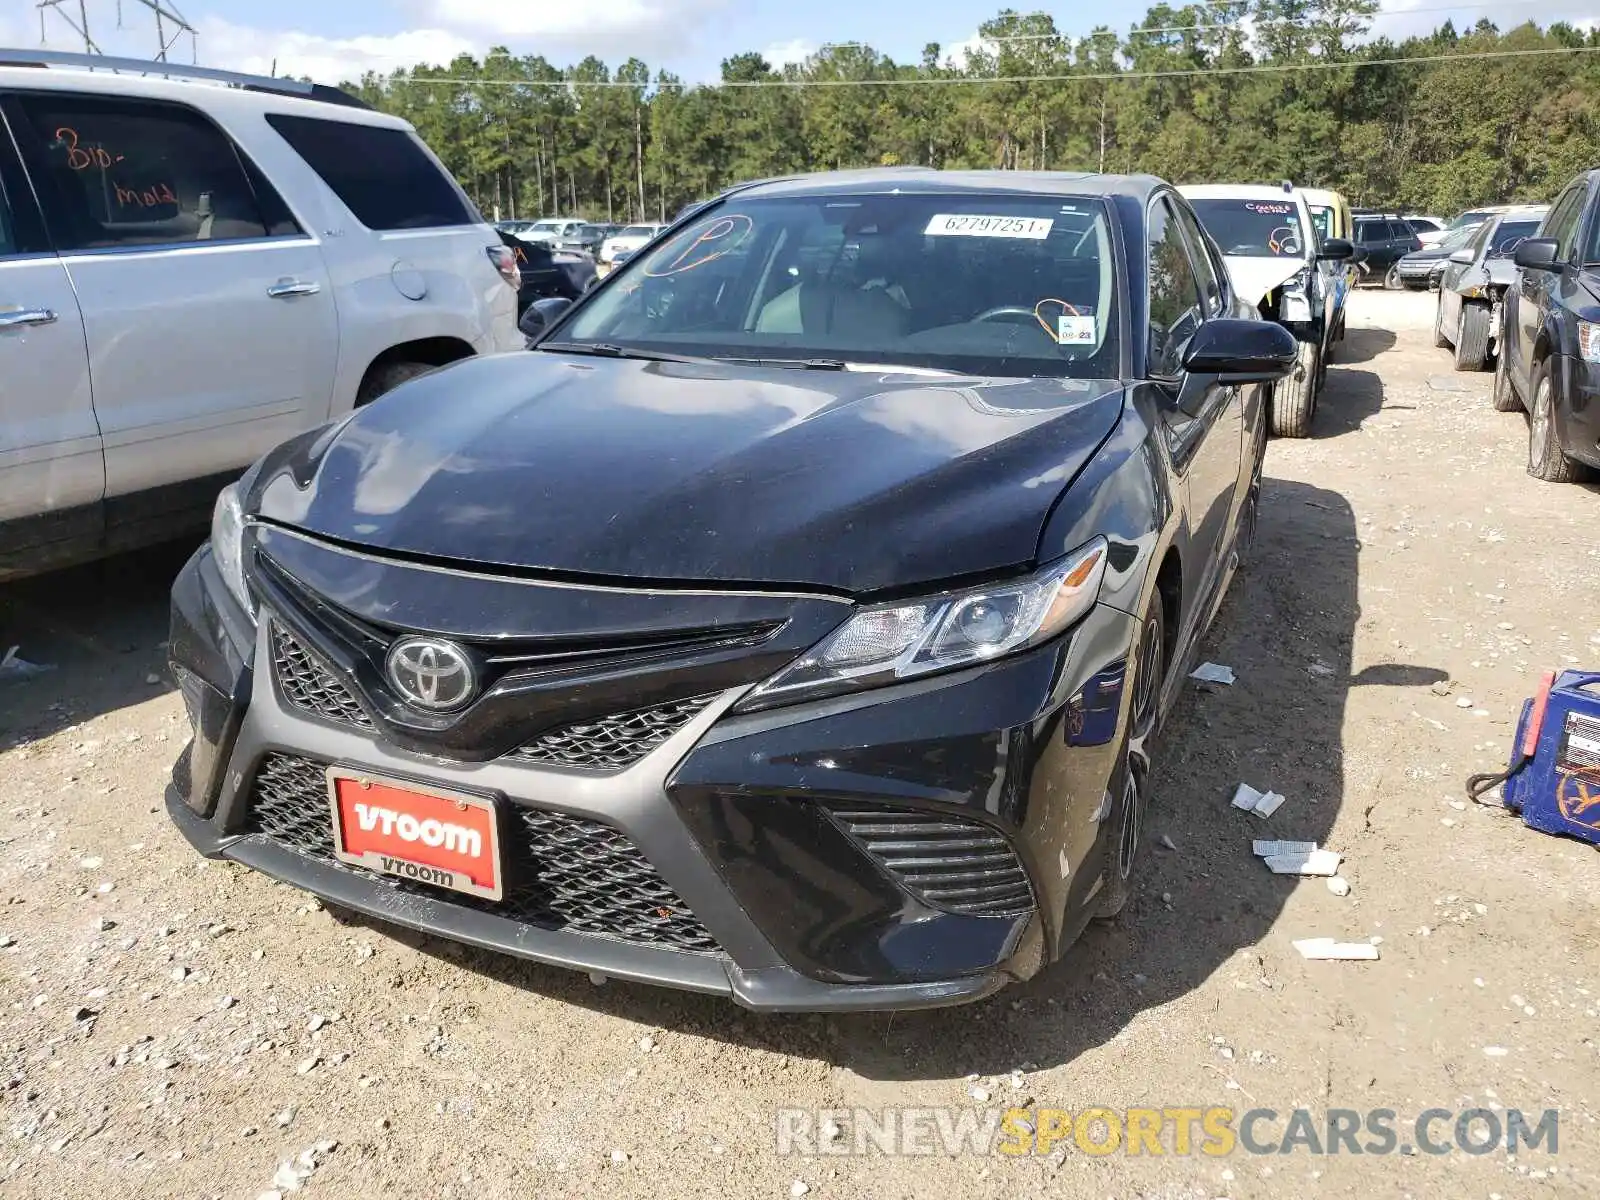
x=973, y=225
x=1074, y=330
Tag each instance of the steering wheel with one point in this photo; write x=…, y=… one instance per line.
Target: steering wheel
x=1020, y=315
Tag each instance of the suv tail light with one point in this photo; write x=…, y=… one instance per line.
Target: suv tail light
x=505, y=261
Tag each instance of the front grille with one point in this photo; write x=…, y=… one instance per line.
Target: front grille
x=612, y=743
x=946, y=862
x=310, y=686
x=561, y=872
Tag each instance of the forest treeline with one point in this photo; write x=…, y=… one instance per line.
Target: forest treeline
x=1252, y=90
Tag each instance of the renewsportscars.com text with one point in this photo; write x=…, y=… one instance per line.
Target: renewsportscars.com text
x=1154, y=1132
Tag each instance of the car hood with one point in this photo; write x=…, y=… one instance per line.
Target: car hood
x=850, y=481
x=1254, y=277
x=1426, y=254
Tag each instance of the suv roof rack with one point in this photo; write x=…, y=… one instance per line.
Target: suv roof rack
x=10, y=57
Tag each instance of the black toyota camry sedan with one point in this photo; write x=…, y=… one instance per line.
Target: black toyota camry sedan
x=792, y=623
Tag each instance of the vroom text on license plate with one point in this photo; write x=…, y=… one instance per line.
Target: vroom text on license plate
x=444, y=838
x=974, y=225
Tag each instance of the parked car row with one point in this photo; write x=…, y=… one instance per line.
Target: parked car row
x=599, y=241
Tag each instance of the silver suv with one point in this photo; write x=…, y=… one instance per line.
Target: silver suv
x=194, y=268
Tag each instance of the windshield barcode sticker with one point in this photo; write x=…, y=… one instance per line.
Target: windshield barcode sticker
x=974, y=225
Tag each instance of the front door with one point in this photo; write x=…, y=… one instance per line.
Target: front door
x=207, y=311
x=1206, y=435
x=51, y=473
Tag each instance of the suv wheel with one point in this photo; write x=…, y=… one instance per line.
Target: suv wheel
x=1472, y=338
x=388, y=377
x=1392, y=281
x=1504, y=394
x=1545, y=459
x=1294, y=398
x=1132, y=783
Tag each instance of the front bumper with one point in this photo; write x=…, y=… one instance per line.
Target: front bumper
x=734, y=816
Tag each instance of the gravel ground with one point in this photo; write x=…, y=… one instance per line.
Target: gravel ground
x=170, y=1027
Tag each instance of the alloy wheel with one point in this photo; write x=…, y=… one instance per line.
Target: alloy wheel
x=1539, y=427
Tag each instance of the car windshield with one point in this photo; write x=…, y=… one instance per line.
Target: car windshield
x=1470, y=218
x=547, y=227
x=637, y=231
x=589, y=231
x=1253, y=228
x=1322, y=220
x=1504, y=242
x=1003, y=285
x=1456, y=239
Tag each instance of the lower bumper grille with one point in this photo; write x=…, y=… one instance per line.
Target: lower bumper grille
x=946, y=862
x=561, y=872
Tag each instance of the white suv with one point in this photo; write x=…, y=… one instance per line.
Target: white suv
x=191, y=273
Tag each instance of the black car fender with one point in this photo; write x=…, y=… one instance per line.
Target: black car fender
x=1128, y=494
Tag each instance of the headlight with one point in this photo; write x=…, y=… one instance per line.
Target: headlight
x=1589, y=341
x=227, y=545
x=892, y=642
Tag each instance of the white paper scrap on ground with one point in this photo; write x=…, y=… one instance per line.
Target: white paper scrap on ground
x=1317, y=862
x=1268, y=804
x=1325, y=948
x=1263, y=804
x=1268, y=849
x=1212, y=673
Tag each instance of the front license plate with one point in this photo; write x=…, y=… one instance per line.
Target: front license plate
x=444, y=838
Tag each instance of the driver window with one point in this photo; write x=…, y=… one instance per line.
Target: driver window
x=1562, y=223
x=1205, y=270
x=1174, y=294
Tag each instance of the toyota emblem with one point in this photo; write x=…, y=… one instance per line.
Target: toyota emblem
x=431, y=673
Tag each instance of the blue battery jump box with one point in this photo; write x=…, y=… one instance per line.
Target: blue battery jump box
x=1554, y=780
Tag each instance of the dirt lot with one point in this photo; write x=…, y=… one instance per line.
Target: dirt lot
x=170, y=1027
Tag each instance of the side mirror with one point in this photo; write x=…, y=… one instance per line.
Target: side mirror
x=1536, y=254
x=1462, y=256
x=542, y=314
x=1336, y=250
x=1241, y=351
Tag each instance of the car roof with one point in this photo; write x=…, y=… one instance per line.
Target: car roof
x=1324, y=197
x=1525, y=212
x=1237, y=191
x=217, y=96
x=925, y=180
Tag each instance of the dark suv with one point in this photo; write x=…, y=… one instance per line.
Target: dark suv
x=1381, y=240
x=1550, y=337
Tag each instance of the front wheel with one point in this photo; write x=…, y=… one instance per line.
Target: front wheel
x=1131, y=783
x=1294, y=397
x=1391, y=281
x=1545, y=458
x=1472, y=338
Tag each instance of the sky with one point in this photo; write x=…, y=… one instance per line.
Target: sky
x=331, y=40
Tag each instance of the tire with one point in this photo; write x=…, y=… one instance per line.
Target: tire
x=1131, y=782
x=1472, y=338
x=1294, y=397
x=388, y=377
x=1391, y=281
x=1439, y=339
x=1504, y=392
x=1545, y=458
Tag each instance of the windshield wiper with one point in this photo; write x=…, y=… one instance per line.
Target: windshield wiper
x=608, y=350
x=792, y=364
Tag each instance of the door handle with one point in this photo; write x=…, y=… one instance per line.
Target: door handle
x=27, y=316
x=285, y=288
